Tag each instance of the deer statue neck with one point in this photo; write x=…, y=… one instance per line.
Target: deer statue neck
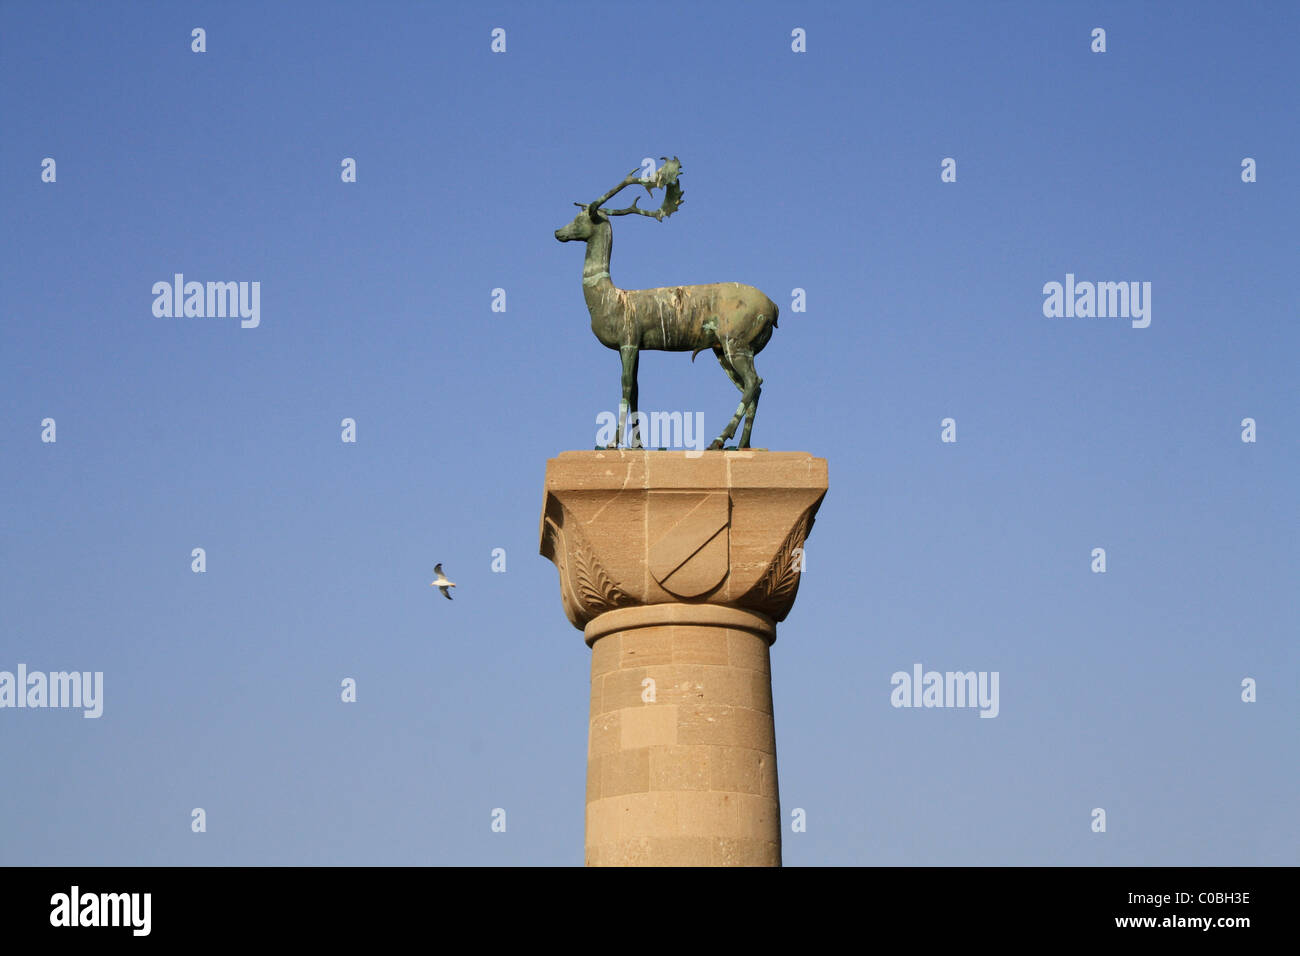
x=595, y=268
x=598, y=288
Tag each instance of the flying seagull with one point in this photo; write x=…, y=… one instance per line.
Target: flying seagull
x=442, y=584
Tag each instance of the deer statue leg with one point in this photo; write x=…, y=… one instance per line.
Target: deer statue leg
x=740, y=385
x=749, y=422
x=743, y=364
x=629, y=355
x=635, y=421
x=753, y=388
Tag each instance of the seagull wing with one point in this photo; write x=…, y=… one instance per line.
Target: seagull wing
x=446, y=592
x=437, y=569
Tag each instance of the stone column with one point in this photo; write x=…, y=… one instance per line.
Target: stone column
x=677, y=566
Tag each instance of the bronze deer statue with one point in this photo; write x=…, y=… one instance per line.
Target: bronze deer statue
x=733, y=320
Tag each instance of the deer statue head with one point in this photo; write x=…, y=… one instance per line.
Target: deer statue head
x=583, y=225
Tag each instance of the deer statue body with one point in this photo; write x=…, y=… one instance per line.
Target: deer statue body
x=733, y=320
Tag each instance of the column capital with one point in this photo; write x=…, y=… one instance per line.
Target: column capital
x=628, y=529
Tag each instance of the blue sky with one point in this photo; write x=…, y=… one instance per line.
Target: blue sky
x=817, y=170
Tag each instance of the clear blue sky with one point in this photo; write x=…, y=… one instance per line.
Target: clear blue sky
x=818, y=171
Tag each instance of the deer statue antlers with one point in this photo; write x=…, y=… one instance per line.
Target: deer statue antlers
x=665, y=177
x=733, y=320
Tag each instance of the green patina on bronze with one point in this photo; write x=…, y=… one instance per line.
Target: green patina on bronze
x=733, y=320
